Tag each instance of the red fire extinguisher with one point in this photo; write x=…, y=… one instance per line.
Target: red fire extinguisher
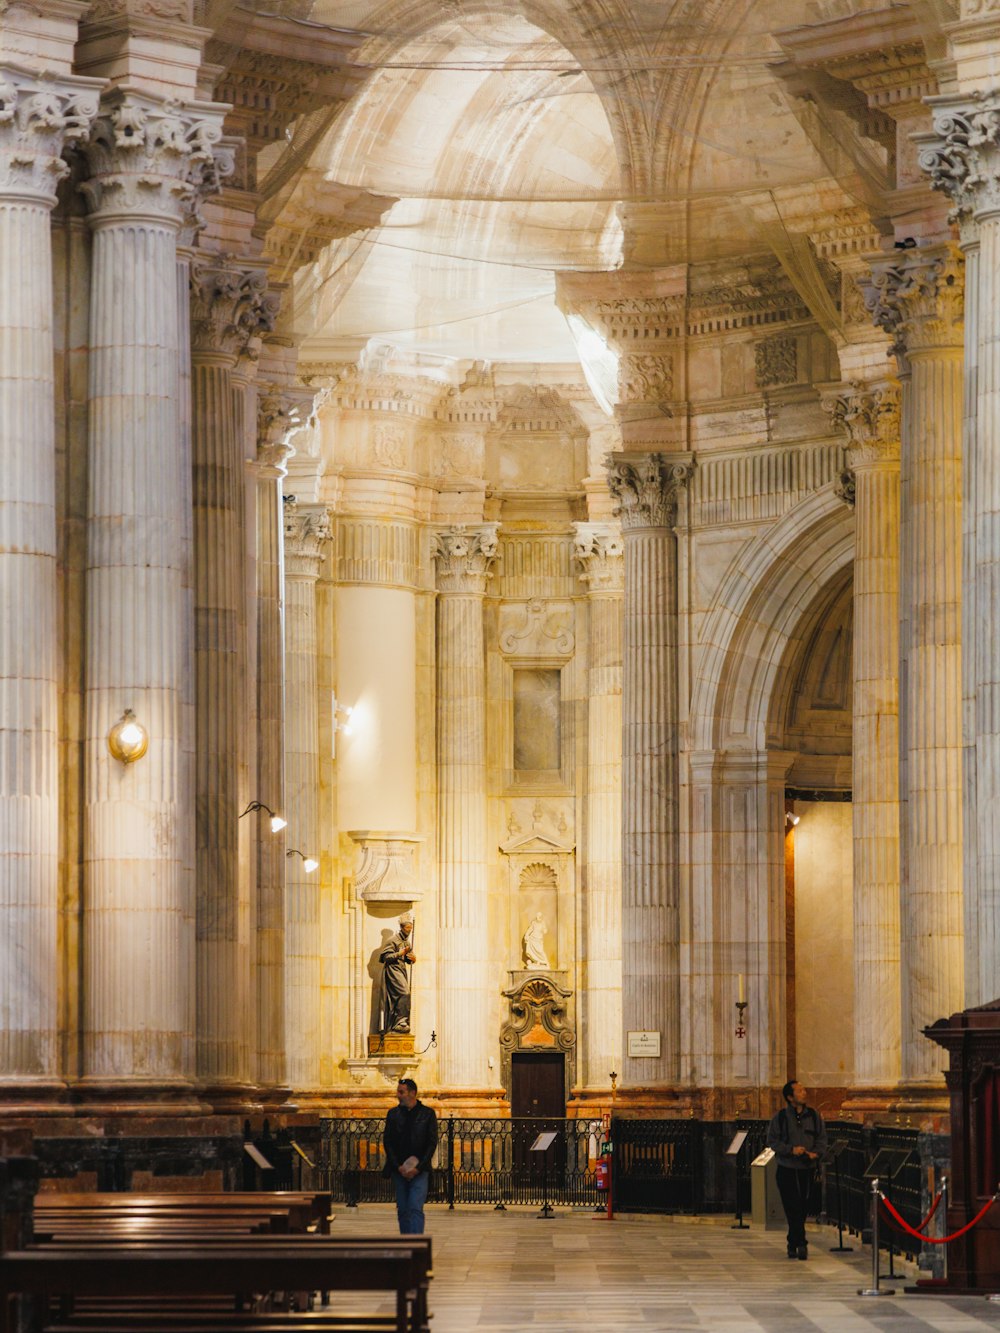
x=602, y=1172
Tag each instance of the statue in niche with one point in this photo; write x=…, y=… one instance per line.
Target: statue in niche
x=397, y=958
x=534, y=943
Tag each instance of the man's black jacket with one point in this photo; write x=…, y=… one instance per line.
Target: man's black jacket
x=409, y=1133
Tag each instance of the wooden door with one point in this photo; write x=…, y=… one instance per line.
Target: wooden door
x=538, y=1085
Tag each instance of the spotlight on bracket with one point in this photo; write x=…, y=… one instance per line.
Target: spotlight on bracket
x=277, y=823
x=791, y=820
x=309, y=864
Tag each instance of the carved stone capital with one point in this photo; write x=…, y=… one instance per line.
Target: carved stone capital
x=920, y=299
x=230, y=306
x=281, y=413
x=39, y=117
x=599, y=549
x=645, y=487
x=465, y=558
x=962, y=152
x=153, y=158
x=869, y=415
x=307, y=530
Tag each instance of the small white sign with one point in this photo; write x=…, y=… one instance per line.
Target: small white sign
x=643, y=1044
x=543, y=1141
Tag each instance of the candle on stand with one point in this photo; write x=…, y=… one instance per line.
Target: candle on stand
x=742, y=999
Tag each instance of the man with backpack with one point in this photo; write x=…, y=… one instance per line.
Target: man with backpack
x=797, y=1136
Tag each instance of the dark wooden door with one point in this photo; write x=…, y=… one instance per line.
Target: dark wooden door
x=538, y=1085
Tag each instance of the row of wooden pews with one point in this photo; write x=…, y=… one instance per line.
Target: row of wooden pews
x=195, y=1263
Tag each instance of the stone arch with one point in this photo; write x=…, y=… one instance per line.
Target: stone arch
x=764, y=597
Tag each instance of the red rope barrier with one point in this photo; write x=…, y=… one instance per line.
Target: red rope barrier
x=934, y=1208
x=937, y=1240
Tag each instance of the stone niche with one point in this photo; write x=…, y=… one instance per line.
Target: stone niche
x=540, y=879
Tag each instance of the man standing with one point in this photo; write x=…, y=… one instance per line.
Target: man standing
x=797, y=1136
x=409, y=1139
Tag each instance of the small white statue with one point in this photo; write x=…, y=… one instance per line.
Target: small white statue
x=534, y=943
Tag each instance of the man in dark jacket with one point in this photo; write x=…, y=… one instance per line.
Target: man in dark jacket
x=409, y=1139
x=797, y=1137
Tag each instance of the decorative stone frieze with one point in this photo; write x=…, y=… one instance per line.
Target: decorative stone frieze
x=776, y=362
x=380, y=552
x=538, y=628
x=39, y=118
x=465, y=558
x=645, y=488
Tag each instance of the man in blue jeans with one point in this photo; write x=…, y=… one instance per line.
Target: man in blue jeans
x=409, y=1139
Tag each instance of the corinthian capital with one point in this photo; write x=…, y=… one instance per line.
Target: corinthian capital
x=869, y=416
x=645, y=488
x=465, y=558
x=599, y=549
x=962, y=152
x=281, y=413
x=230, y=305
x=39, y=117
x=153, y=158
x=307, y=530
x=919, y=300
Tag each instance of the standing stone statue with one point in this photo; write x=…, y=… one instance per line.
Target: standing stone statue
x=534, y=943
x=396, y=957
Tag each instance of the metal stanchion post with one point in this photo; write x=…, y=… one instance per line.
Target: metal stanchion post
x=874, y=1289
x=944, y=1222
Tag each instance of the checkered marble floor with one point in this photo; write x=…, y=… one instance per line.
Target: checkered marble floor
x=512, y=1272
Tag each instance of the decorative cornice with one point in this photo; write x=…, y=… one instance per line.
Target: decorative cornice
x=645, y=488
x=599, y=549
x=869, y=415
x=154, y=158
x=962, y=153
x=39, y=117
x=465, y=557
x=919, y=300
x=230, y=305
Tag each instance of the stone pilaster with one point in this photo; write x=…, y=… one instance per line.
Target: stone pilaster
x=149, y=160
x=273, y=427
x=962, y=156
x=870, y=416
x=919, y=300
x=230, y=306
x=645, y=488
x=307, y=530
x=599, y=550
x=38, y=118
x=464, y=561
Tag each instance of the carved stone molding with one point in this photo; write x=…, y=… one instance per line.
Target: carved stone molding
x=39, y=118
x=178, y=11
x=381, y=552
x=154, y=158
x=307, y=530
x=846, y=488
x=540, y=1020
x=230, y=305
x=645, y=488
x=599, y=549
x=919, y=300
x=386, y=870
x=869, y=415
x=962, y=153
x=465, y=557
x=776, y=362
x=646, y=377
x=537, y=628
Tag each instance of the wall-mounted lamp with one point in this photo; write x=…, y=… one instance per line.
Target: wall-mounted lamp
x=342, y=716
x=277, y=823
x=791, y=820
x=308, y=863
x=128, y=739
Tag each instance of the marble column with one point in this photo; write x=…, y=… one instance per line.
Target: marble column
x=229, y=306
x=919, y=299
x=962, y=156
x=147, y=158
x=870, y=416
x=464, y=561
x=273, y=452
x=39, y=118
x=645, y=489
x=598, y=549
x=307, y=531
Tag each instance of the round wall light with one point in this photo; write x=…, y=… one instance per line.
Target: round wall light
x=128, y=739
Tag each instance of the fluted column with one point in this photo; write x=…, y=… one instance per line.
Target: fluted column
x=146, y=157
x=229, y=306
x=962, y=156
x=39, y=118
x=464, y=560
x=307, y=530
x=870, y=415
x=598, y=549
x=273, y=425
x=645, y=488
x=920, y=301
